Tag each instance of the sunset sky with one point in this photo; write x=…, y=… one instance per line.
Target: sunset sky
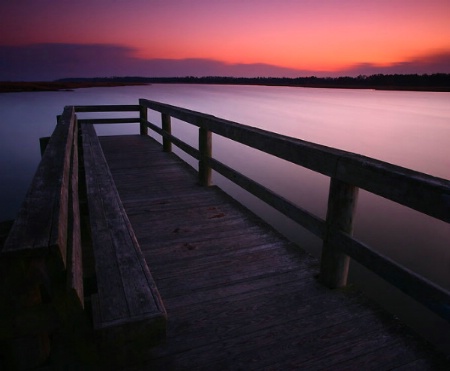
x=50, y=39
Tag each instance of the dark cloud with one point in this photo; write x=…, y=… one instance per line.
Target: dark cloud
x=428, y=64
x=53, y=61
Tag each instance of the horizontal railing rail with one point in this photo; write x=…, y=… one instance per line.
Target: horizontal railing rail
x=348, y=173
x=109, y=108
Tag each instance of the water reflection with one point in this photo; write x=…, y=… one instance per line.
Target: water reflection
x=410, y=129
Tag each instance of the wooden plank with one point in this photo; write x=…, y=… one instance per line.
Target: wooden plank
x=143, y=116
x=37, y=242
x=205, y=148
x=246, y=333
x=424, y=291
x=427, y=194
x=166, y=127
x=204, y=247
x=393, y=355
x=334, y=263
x=126, y=120
x=108, y=108
x=418, y=191
x=424, y=364
x=237, y=294
x=127, y=301
x=294, y=212
x=75, y=285
x=189, y=302
x=250, y=260
x=169, y=138
x=41, y=225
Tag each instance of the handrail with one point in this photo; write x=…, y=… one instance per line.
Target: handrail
x=348, y=172
x=398, y=184
x=109, y=108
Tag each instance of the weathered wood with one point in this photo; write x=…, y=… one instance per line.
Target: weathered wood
x=424, y=291
x=238, y=295
x=297, y=214
x=35, y=252
x=194, y=152
x=418, y=191
x=127, y=307
x=427, y=194
x=334, y=263
x=167, y=128
x=424, y=193
x=205, y=148
x=41, y=226
x=143, y=117
x=75, y=285
x=109, y=108
x=128, y=120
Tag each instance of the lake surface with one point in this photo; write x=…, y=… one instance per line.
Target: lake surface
x=410, y=129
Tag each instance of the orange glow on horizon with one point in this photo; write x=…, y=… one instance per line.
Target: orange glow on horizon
x=325, y=41
x=307, y=35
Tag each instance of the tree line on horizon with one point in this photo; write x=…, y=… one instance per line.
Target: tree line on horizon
x=437, y=81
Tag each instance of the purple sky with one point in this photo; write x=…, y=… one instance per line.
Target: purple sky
x=51, y=39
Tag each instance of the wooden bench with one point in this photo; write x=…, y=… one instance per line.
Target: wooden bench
x=42, y=276
x=42, y=279
x=127, y=308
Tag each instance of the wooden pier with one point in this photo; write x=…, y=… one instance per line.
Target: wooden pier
x=176, y=275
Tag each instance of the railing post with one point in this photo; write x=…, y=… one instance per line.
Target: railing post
x=167, y=127
x=341, y=205
x=143, y=116
x=204, y=146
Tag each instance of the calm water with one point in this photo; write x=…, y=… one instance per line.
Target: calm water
x=410, y=129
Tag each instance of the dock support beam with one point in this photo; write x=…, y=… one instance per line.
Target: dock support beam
x=334, y=264
x=167, y=127
x=205, y=148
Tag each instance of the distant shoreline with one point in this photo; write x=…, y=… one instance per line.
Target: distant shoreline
x=18, y=87
x=429, y=83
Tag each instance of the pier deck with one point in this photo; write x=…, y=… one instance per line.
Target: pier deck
x=237, y=294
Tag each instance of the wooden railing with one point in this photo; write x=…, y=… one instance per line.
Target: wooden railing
x=347, y=171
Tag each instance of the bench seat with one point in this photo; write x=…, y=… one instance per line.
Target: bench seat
x=127, y=308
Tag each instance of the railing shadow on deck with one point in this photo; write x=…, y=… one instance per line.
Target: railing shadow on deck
x=348, y=172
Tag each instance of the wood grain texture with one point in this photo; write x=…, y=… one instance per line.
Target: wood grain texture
x=143, y=116
x=422, y=192
x=35, y=278
x=41, y=225
x=334, y=264
x=127, y=305
x=205, y=148
x=109, y=108
x=427, y=194
x=75, y=285
x=237, y=294
x=166, y=127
